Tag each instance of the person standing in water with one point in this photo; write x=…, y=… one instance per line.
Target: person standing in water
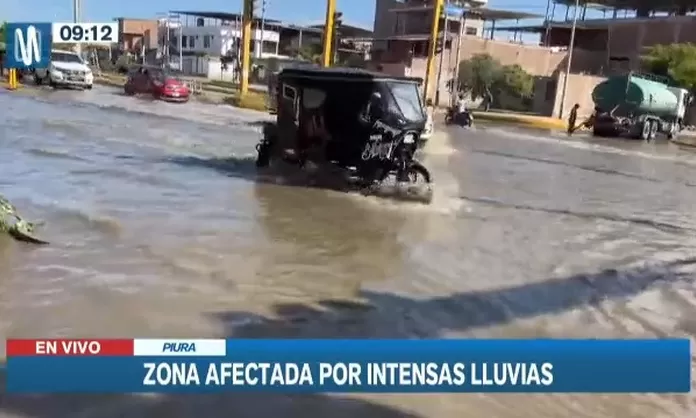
x=572, y=118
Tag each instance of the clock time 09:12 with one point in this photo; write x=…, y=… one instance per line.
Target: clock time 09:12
x=93, y=33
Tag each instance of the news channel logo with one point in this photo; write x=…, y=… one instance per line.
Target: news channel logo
x=28, y=45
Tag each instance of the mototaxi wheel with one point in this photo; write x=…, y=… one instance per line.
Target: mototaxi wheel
x=415, y=171
x=419, y=183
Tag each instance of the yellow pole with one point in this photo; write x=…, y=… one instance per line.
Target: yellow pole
x=13, y=79
x=430, y=66
x=248, y=15
x=328, y=32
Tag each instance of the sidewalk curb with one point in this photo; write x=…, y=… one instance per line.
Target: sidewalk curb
x=539, y=122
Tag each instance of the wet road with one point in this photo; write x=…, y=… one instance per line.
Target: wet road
x=159, y=228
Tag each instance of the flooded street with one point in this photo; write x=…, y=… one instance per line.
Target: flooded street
x=159, y=228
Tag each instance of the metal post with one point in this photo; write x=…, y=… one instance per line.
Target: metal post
x=263, y=24
x=12, y=80
x=181, y=43
x=547, y=41
x=167, y=42
x=247, y=17
x=328, y=33
x=570, y=59
x=546, y=23
x=445, y=31
x=434, y=29
x=455, y=80
x=76, y=19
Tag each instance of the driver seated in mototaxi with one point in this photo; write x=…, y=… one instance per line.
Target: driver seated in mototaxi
x=313, y=135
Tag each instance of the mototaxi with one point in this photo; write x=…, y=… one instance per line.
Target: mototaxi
x=365, y=123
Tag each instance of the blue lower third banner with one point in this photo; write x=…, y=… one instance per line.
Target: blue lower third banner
x=313, y=366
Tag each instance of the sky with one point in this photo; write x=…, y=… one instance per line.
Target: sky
x=358, y=12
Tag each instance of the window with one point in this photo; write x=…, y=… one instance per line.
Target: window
x=184, y=41
x=192, y=41
x=471, y=31
x=313, y=98
x=207, y=40
x=406, y=100
x=289, y=93
x=200, y=22
x=66, y=57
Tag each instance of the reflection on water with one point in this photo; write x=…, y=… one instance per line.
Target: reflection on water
x=160, y=226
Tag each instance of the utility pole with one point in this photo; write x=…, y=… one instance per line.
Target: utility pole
x=263, y=25
x=180, y=42
x=434, y=29
x=247, y=18
x=570, y=58
x=454, y=88
x=328, y=33
x=442, y=59
x=76, y=19
x=167, y=41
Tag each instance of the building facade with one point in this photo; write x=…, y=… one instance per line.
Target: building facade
x=402, y=33
x=220, y=37
x=137, y=34
x=622, y=41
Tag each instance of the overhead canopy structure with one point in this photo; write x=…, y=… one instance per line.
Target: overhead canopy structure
x=223, y=16
x=665, y=6
x=580, y=26
x=231, y=17
x=349, y=30
x=483, y=13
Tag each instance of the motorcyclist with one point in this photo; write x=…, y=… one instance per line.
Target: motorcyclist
x=459, y=110
x=461, y=104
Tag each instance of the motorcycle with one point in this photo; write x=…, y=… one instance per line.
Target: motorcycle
x=454, y=117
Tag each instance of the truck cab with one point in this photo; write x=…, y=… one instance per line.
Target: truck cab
x=684, y=99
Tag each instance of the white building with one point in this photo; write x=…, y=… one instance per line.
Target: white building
x=219, y=34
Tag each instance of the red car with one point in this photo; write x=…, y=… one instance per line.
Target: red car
x=158, y=83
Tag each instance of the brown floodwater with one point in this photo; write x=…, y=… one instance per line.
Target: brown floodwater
x=160, y=227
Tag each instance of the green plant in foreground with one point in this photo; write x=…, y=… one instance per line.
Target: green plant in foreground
x=16, y=226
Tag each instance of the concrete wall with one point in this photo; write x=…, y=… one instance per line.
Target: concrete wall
x=548, y=94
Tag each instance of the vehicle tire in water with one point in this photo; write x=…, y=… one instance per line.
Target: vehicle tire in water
x=419, y=184
x=645, y=131
x=418, y=174
x=653, y=129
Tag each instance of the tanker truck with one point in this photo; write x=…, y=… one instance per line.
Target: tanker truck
x=639, y=106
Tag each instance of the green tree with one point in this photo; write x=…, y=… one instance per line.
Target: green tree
x=515, y=81
x=676, y=61
x=478, y=74
x=3, y=29
x=483, y=73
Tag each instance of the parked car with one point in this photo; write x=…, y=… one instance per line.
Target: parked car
x=158, y=82
x=67, y=69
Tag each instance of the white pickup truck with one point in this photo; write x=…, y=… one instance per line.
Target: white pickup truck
x=67, y=69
